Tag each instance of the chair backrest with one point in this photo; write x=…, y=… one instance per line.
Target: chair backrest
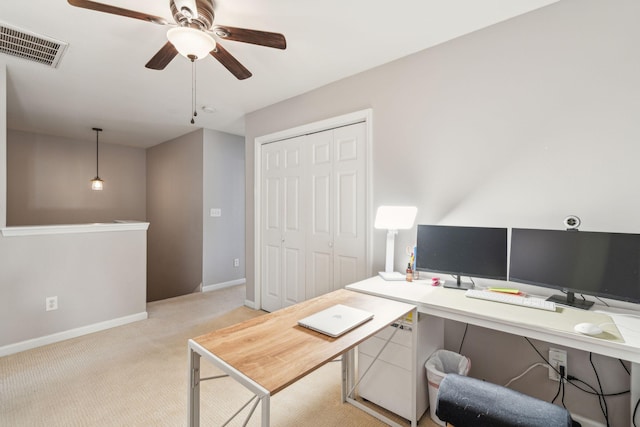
x=469, y=402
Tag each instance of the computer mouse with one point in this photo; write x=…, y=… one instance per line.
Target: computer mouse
x=588, y=328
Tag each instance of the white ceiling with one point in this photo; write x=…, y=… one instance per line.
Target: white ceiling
x=102, y=82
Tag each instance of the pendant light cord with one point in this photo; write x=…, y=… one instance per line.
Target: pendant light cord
x=98, y=130
x=97, y=172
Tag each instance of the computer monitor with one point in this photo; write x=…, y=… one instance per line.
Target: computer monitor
x=592, y=263
x=462, y=251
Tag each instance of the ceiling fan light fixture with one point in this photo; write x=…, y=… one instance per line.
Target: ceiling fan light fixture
x=190, y=42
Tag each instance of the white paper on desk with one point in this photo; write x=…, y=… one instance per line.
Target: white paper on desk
x=629, y=327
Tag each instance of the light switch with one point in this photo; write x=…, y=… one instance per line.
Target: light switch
x=215, y=212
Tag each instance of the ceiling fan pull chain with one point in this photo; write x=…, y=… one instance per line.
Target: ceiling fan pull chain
x=193, y=90
x=195, y=87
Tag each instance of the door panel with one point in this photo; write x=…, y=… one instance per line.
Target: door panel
x=293, y=232
x=319, y=235
x=283, y=237
x=320, y=275
x=272, y=272
x=349, y=174
x=346, y=269
x=271, y=227
x=347, y=205
x=292, y=293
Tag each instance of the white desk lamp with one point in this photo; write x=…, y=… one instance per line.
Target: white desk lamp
x=393, y=218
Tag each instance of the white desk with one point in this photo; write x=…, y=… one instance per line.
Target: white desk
x=553, y=327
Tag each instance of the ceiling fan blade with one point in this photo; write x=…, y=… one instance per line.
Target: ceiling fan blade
x=261, y=38
x=161, y=59
x=230, y=63
x=100, y=7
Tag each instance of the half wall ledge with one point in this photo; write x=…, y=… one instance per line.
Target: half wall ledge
x=40, y=230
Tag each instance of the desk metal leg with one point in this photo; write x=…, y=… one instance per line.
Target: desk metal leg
x=266, y=410
x=635, y=390
x=196, y=352
x=194, y=389
x=414, y=367
x=347, y=363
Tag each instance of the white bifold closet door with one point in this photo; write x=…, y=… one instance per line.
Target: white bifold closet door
x=283, y=235
x=313, y=215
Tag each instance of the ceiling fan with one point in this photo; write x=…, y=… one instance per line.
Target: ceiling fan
x=191, y=34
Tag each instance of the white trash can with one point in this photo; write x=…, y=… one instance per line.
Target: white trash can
x=441, y=363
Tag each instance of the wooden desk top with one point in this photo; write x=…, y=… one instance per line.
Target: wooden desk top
x=274, y=351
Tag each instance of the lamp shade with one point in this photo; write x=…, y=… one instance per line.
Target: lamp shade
x=190, y=42
x=395, y=217
x=97, y=184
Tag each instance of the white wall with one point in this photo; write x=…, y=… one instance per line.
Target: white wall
x=516, y=125
x=223, y=188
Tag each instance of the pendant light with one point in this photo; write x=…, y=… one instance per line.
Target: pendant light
x=97, y=183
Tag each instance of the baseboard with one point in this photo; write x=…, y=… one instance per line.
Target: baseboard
x=71, y=333
x=217, y=286
x=586, y=422
x=250, y=304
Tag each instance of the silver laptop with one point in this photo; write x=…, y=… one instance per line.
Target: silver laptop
x=336, y=320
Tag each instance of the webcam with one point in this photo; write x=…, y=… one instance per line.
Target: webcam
x=572, y=222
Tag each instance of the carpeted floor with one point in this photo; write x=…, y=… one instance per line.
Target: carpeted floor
x=136, y=375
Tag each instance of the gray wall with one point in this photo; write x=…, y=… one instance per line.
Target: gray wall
x=3, y=145
x=49, y=177
x=174, y=210
x=97, y=277
x=224, y=185
x=516, y=125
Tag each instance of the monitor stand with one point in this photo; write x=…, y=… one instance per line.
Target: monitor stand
x=458, y=285
x=571, y=300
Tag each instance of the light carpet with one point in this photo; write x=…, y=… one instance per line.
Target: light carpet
x=136, y=375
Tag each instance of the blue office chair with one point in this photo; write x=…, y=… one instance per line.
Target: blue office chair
x=468, y=402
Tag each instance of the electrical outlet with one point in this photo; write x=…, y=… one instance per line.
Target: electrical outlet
x=236, y=262
x=51, y=303
x=557, y=358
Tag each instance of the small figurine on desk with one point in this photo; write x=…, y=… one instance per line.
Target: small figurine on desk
x=409, y=273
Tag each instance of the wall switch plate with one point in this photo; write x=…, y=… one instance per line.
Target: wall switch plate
x=557, y=358
x=236, y=262
x=215, y=212
x=51, y=303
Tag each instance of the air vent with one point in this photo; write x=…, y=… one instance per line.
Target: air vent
x=31, y=46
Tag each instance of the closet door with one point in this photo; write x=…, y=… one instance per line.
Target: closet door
x=321, y=218
x=313, y=215
x=283, y=250
x=349, y=212
x=336, y=244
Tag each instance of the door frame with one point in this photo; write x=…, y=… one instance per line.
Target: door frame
x=360, y=116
